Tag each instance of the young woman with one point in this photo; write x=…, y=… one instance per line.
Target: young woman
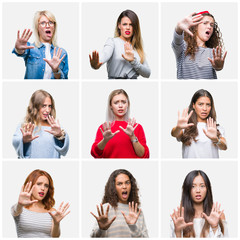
x=119, y=215
x=124, y=53
x=197, y=215
x=119, y=136
x=43, y=59
x=197, y=45
x=34, y=214
x=40, y=136
x=197, y=129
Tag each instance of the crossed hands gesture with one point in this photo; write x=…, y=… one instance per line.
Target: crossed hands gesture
x=133, y=215
x=129, y=54
x=218, y=61
x=56, y=130
x=183, y=119
x=211, y=132
x=24, y=198
x=21, y=42
x=27, y=132
x=60, y=213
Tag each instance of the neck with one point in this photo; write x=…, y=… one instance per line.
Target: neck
x=198, y=209
x=202, y=120
x=126, y=39
x=200, y=43
x=44, y=123
x=119, y=118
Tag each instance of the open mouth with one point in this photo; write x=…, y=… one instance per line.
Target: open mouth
x=198, y=197
x=124, y=195
x=45, y=115
x=41, y=194
x=127, y=32
x=207, y=33
x=48, y=31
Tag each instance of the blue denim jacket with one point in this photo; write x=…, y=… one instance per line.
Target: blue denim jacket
x=35, y=65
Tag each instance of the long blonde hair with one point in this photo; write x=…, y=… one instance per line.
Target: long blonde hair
x=136, y=40
x=52, y=18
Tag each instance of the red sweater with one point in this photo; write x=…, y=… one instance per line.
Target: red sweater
x=120, y=146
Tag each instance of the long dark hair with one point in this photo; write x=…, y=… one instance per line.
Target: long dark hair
x=191, y=132
x=187, y=203
x=214, y=41
x=110, y=194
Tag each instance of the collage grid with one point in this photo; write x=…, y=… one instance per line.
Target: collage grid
x=81, y=102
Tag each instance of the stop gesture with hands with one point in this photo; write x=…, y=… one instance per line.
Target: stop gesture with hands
x=56, y=130
x=211, y=132
x=129, y=54
x=188, y=22
x=183, y=119
x=56, y=59
x=25, y=195
x=107, y=131
x=94, y=60
x=218, y=60
x=133, y=215
x=103, y=221
x=130, y=127
x=21, y=42
x=27, y=132
x=60, y=213
x=179, y=221
x=215, y=215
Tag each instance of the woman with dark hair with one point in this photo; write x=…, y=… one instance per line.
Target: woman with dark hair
x=197, y=128
x=197, y=215
x=41, y=136
x=34, y=214
x=43, y=59
x=197, y=45
x=120, y=136
x=124, y=53
x=119, y=214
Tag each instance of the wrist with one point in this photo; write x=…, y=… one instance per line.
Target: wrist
x=61, y=135
x=56, y=71
x=215, y=140
x=214, y=227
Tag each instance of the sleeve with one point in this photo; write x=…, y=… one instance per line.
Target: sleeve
x=218, y=233
x=14, y=211
x=139, y=132
x=107, y=51
x=62, y=146
x=25, y=54
x=139, y=231
x=141, y=69
x=63, y=66
x=95, y=151
x=178, y=44
x=20, y=147
x=97, y=232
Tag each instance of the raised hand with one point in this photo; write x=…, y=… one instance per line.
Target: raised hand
x=60, y=213
x=56, y=130
x=178, y=220
x=130, y=127
x=215, y=215
x=103, y=221
x=21, y=42
x=129, y=54
x=188, y=22
x=94, y=60
x=211, y=132
x=218, y=61
x=25, y=195
x=182, y=122
x=27, y=132
x=133, y=215
x=56, y=60
x=107, y=132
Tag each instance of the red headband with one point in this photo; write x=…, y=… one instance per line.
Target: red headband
x=203, y=12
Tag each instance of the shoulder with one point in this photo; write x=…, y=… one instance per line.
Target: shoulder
x=111, y=41
x=223, y=217
x=52, y=210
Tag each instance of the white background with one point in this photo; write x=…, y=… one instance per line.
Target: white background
x=19, y=16
x=16, y=96
x=98, y=24
x=225, y=15
x=94, y=178
x=66, y=184
x=143, y=107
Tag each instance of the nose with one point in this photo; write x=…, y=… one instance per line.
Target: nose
x=204, y=107
x=48, y=109
x=47, y=24
x=124, y=185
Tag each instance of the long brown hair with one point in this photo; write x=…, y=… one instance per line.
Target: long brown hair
x=191, y=132
x=48, y=201
x=136, y=39
x=214, y=41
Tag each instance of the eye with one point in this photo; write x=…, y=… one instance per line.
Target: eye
x=119, y=184
x=46, y=185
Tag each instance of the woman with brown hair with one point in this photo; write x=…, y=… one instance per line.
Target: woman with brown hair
x=119, y=214
x=34, y=214
x=124, y=53
x=41, y=136
x=197, y=129
x=120, y=136
x=198, y=47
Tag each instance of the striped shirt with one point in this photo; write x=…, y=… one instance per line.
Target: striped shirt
x=119, y=228
x=31, y=224
x=197, y=68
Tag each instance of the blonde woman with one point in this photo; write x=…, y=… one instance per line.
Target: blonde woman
x=41, y=136
x=124, y=53
x=43, y=59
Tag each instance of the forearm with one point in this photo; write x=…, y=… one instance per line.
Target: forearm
x=101, y=145
x=176, y=132
x=17, y=209
x=138, y=147
x=178, y=30
x=221, y=143
x=178, y=234
x=55, y=230
x=141, y=69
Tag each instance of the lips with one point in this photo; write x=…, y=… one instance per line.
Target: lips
x=127, y=32
x=45, y=115
x=41, y=194
x=48, y=33
x=198, y=197
x=125, y=195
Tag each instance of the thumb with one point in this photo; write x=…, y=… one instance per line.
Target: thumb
x=123, y=56
x=116, y=132
x=123, y=214
x=35, y=137
x=112, y=219
x=121, y=128
x=189, y=224
x=50, y=213
x=46, y=60
x=189, y=32
x=205, y=215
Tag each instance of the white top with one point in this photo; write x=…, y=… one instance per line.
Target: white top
x=198, y=224
x=48, y=69
x=203, y=147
